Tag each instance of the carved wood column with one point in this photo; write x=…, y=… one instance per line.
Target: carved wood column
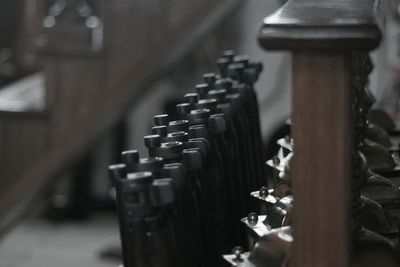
x=321, y=35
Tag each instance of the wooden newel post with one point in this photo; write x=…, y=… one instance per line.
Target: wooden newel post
x=321, y=35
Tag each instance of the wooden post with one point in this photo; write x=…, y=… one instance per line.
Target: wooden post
x=321, y=35
x=322, y=136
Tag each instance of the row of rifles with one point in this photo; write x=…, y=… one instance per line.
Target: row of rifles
x=181, y=205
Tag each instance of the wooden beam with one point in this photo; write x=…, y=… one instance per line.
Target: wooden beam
x=322, y=134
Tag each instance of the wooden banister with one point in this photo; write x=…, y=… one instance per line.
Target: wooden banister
x=321, y=35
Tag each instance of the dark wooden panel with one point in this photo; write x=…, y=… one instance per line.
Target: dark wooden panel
x=179, y=10
x=23, y=142
x=75, y=89
x=132, y=37
x=32, y=12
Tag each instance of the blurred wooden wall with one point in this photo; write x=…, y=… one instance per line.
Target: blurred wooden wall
x=87, y=86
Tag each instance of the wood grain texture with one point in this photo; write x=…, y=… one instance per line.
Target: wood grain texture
x=321, y=179
x=75, y=91
x=29, y=27
x=24, y=141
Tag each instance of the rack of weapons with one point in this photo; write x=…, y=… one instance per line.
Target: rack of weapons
x=182, y=205
x=354, y=151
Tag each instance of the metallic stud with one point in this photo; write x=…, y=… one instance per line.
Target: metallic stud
x=263, y=191
x=276, y=160
x=237, y=251
x=252, y=218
